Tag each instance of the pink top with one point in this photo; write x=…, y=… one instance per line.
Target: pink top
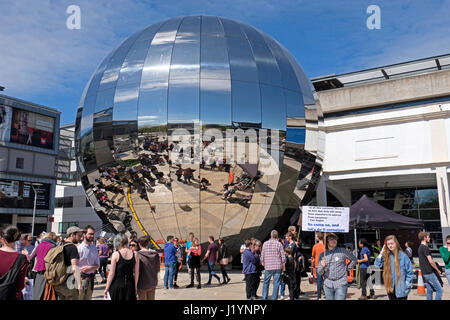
x=197, y=251
x=41, y=251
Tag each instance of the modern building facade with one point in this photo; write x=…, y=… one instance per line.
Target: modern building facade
x=387, y=135
x=29, y=143
x=72, y=207
x=197, y=124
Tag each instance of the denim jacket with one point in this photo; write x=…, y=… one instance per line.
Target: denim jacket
x=403, y=287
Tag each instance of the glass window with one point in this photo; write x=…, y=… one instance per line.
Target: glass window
x=242, y=63
x=430, y=214
x=215, y=102
x=246, y=103
x=183, y=101
x=273, y=108
x=20, y=163
x=63, y=226
x=214, y=58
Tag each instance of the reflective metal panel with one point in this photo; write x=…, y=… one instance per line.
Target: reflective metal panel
x=246, y=103
x=214, y=58
x=242, y=62
x=273, y=108
x=183, y=128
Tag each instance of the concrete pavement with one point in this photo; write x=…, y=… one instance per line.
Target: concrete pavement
x=235, y=290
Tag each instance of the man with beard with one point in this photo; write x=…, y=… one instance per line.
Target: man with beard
x=89, y=263
x=70, y=289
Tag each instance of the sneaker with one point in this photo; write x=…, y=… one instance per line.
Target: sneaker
x=208, y=283
x=199, y=287
x=175, y=285
x=372, y=296
x=228, y=280
x=281, y=297
x=190, y=285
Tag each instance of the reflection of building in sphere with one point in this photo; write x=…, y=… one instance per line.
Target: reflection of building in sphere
x=152, y=127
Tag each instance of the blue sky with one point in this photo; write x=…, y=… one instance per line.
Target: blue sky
x=44, y=62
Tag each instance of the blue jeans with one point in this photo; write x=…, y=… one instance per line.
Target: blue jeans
x=276, y=283
x=319, y=285
x=336, y=294
x=211, y=265
x=168, y=275
x=447, y=274
x=432, y=283
x=282, y=288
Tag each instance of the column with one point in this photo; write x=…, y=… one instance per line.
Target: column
x=444, y=200
x=321, y=192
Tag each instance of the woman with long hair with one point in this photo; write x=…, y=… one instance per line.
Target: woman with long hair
x=397, y=269
x=194, y=253
x=223, y=260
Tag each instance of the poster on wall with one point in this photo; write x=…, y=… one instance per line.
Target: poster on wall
x=20, y=194
x=5, y=122
x=32, y=129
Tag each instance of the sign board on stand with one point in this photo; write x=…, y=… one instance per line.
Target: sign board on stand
x=325, y=219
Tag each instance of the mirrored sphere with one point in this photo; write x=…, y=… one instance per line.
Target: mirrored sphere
x=184, y=127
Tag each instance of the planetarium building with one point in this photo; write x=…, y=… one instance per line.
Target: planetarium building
x=198, y=124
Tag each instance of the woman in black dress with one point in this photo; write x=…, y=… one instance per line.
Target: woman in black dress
x=121, y=284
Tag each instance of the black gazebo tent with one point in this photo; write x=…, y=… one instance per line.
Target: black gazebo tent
x=366, y=213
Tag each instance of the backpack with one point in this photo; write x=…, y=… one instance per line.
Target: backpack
x=55, y=268
x=8, y=282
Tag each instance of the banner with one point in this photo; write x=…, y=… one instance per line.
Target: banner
x=325, y=219
x=32, y=129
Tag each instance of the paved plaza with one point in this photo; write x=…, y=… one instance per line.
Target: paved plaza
x=235, y=290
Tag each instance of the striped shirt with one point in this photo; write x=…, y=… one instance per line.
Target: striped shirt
x=335, y=267
x=272, y=255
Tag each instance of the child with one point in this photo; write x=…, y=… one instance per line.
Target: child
x=289, y=278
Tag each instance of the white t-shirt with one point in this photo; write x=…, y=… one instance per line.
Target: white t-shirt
x=242, y=256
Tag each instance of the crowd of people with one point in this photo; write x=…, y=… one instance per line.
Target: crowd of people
x=65, y=268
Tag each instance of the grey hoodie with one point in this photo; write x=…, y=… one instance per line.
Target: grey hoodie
x=148, y=269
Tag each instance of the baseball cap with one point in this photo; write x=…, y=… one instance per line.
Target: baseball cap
x=73, y=229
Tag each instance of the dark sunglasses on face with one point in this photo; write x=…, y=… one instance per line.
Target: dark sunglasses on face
x=133, y=245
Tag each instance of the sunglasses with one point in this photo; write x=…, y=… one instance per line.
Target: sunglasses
x=133, y=245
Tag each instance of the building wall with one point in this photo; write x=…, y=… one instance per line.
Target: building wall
x=407, y=146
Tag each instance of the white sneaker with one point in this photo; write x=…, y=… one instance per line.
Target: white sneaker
x=281, y=297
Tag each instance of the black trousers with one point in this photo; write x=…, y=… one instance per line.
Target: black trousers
x=197, y=272
x=250, y=282
x=363, y=276
x=392, y=296
x=298, y=280
x=224, y=272
x=175, y=276
x=103, y=265
x=257, y=280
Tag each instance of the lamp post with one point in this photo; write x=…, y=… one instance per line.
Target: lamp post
x=34, y=206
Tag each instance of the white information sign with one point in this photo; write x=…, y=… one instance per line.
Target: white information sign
x=325, y=219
